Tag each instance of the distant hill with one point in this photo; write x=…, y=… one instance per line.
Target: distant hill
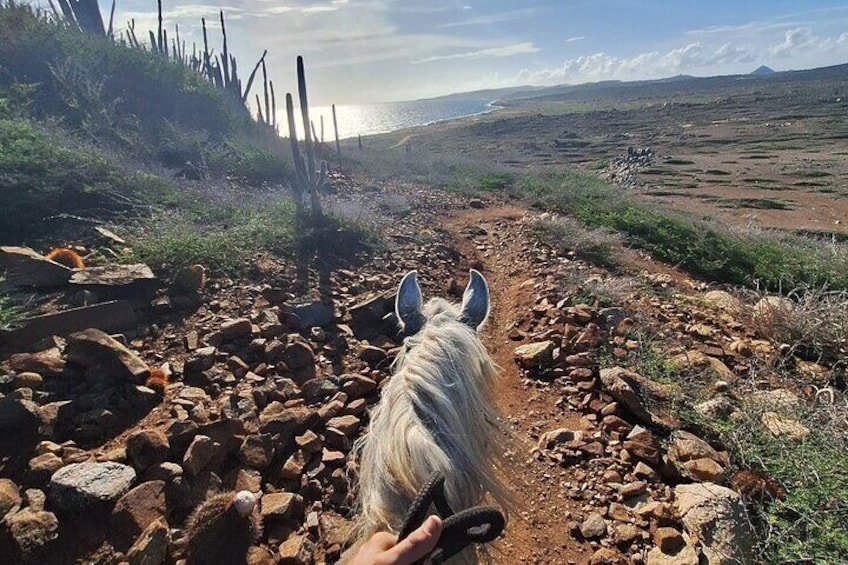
x=680, y=84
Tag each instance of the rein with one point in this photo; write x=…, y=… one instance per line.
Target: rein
x=480, y=524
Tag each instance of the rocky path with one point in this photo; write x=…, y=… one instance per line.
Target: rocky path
x=263, y=387
x=494, y=241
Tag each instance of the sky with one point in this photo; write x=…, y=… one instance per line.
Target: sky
x=365, y=51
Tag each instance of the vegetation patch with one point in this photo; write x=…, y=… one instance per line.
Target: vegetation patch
x=771, y=259
x=597, y=246
x=755, y=203
x=10, y=313
x=809, y=524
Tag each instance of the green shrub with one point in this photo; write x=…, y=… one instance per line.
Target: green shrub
x=10, y=313
x=811, y=524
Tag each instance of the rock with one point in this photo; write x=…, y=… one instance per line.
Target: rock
x=199, y=454
x=151, y=547
x=687, y=447
x=201, y=360
x=348, y=425
x=770, y=308
x=282, y=505
x=715, y=408
x=320, y=388
x=641, y=443
x=10, y=497
x=593, y=527
x=21, y=417
x=697, y=359
x=32, y=531
x=28, y=380
x=715, y=517
x=25, y=267
x=43, y=466
x=622, y=385
x=257, y=451
x=314, y=314
x=93, y=348
x=722, y=299
x=669, y=540
x=137, y=510
x=367, y=317
x=777, y=400
x=630, y=490
x=114, y=316
x=297, y=550
x=47, y=362
x=373, y=356
x=260, y=556
x=703, y=470
x=81, y=486
x=298, y=355
x=147, y=448
x=535, y=355
x=785, y=428
x=608, y=556
x=135, y=283
x=236, y=329
x=561, y=435
x=686, y=556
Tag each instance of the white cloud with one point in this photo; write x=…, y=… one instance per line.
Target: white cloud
x=575, y=39
x=795, y=40
x=488, y=53
x=653, y=64
x=489, y=19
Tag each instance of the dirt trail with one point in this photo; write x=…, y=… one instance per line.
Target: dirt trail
x=538, y=531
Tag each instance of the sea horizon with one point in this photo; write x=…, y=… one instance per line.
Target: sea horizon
x=385, y=117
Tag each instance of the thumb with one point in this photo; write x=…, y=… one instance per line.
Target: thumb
x=419, y=543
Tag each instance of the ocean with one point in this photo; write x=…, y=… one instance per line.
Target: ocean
x=367, y=119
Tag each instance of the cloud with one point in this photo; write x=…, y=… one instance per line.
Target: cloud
x=653, y=64
x=488, y=53
x=795, y=40
x=575, y=38
x=489, y=19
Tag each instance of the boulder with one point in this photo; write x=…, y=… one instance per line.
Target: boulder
x=31, y=532
x=10, y=498
x=93, y=348
x=314, y=314
x=151, y=547
x=236, y=329
x=367, y=316
x=47, y=362
x=716, y=517
x=81, y=486
x=147, y=448
x=593, y=527
x=785, y=428
x=21, y=417
x=135, y=283
x=722, y=299
x=257, y=451
x=200, y=454
x=535, y=355
x=114, y=316
x=136, y=510
x=282, y=505
x=24, y=267
x=699, y=360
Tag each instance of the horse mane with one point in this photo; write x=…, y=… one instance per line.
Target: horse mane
x=437, y=413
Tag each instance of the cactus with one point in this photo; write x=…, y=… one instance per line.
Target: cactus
x=307, y=179
x=338, y=145
x=85, y=14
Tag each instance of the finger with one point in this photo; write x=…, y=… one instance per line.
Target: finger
x=419, y=543
x=381, y=541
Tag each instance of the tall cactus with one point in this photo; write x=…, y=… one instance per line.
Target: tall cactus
x=307, y=179
x=338, y=145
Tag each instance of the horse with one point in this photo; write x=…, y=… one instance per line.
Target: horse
x=437, y=413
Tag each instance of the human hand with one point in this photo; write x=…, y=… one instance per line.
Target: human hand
x=383, y=548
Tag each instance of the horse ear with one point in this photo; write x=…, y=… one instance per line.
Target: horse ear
x=408, y=304
x=475, y=301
